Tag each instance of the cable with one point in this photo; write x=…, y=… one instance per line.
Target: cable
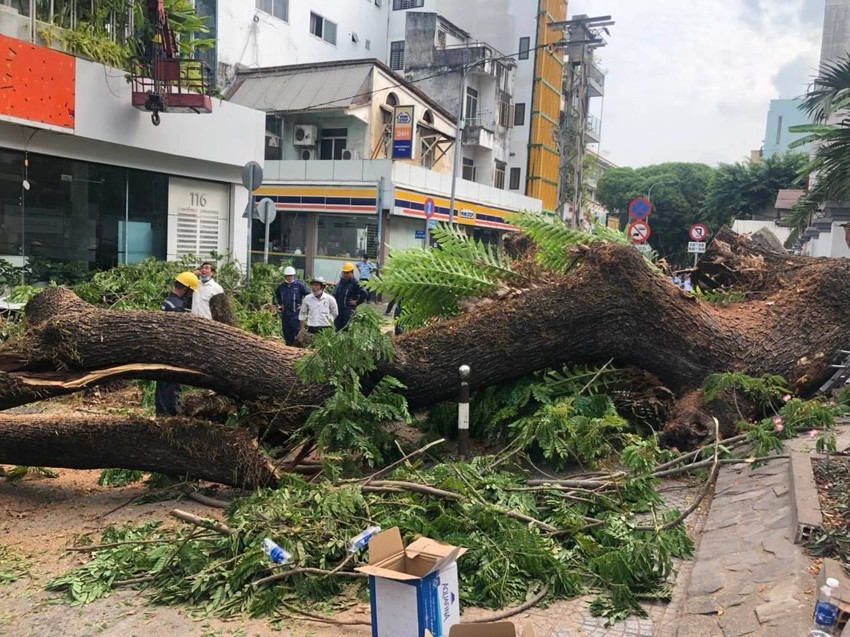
x=422, y=79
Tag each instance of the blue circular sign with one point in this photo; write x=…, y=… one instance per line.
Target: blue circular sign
x=640, y=208
x=429, y=208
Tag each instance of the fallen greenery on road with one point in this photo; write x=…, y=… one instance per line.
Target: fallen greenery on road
x=520, y=539
x=12, y=565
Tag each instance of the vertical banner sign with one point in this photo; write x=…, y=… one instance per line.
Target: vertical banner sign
x=404, y=132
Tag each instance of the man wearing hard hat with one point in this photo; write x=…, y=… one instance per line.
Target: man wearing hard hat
x=166, y=393
x=289, y=296
x=319, y=309
x=348, y=295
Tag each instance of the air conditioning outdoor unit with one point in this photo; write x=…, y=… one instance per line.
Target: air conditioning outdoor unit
x=306, y=135
x=307, y=154
x=349, y=154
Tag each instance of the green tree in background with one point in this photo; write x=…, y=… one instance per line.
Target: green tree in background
x=678, y=192
x=745, y=189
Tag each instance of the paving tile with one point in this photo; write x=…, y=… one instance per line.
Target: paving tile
x=738, y=621
x=706, y=579
x=773, y=610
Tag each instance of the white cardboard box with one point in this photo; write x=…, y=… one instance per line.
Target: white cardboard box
x=413, y=589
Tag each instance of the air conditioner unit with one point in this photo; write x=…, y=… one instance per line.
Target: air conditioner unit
x=354, y=37
x=307, y=154
x=349, y=154
x=306, y=135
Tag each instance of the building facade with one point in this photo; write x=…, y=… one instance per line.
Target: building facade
x=87, y=182
x=783, y=115
x=331, y=173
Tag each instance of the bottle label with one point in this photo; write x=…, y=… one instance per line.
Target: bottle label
x=825, y=613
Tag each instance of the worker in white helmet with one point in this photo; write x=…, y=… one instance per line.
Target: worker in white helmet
x=289, y=296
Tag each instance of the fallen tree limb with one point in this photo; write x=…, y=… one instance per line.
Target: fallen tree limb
x=210, y=502
x=173, y=446
x=206, y=523
x=308, y=571
x=510, y=612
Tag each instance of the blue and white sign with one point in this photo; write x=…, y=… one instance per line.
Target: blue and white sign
x=429, y=208
x=404, y=132
x=432, y=223
x=420, y=234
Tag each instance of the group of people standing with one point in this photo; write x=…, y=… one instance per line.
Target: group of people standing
x=314, y=310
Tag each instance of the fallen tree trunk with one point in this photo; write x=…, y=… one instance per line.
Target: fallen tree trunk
x=612, y=306
x=172, y=446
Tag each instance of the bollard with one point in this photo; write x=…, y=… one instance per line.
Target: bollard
x=463, y=412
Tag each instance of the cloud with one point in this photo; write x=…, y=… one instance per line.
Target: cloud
x=692, y=81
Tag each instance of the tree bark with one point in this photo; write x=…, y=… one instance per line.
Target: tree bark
x=173, y=446
x=612, y=306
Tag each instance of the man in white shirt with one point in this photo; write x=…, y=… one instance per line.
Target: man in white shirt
x=206, y=290
x=319, y=309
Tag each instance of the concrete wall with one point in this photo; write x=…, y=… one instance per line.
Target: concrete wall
x=782, y=115
x=256, y=39
x=836, y=31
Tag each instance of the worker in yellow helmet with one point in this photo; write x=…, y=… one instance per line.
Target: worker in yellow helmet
x=348, y=295
x=182, y=288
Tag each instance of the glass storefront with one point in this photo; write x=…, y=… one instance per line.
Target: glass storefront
x=340, y=239
x=287, y=240
x=78, y=216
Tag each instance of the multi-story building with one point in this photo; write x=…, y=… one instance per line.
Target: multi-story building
x=331, y=172
x=264, y=33
x=519, y=29
x=784, y=114
x=87, y=182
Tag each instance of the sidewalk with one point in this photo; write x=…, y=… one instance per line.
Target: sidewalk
x=747, y=577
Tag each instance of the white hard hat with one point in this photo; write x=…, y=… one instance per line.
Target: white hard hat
x=318, y=279
x=289, y=270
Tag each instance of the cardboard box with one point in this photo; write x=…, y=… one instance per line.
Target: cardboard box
x=413, y=589
x=498, y=629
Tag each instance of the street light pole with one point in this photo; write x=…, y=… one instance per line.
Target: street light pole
x=659, y=183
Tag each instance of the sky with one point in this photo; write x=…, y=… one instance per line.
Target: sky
x=692, y=80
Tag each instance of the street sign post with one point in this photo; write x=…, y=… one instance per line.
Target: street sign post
x=698, y=232
x=429, y=206
x=644, y=248
x=252, y=178
x=697, y=247
x=640, y=208
x=639, y=231
x=267, y=213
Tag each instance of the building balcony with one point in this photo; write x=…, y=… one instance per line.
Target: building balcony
x=595, y=81
x=460, y=55
x=594, y=129
x=478, y=133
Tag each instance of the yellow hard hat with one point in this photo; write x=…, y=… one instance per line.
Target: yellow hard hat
x=189, y=279
x=348, y=266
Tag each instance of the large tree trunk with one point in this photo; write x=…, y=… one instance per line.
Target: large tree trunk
x=173, y=446
x=612, y=306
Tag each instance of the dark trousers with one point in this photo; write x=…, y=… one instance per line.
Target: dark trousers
x=315, y=329
x=291, y=325
x=165, y=397
x=363, y=283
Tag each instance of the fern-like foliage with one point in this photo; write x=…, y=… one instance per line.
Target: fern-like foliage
x=429, y=283
x=764, y=391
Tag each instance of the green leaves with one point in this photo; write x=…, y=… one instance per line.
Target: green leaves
x=429, y=283
x=12, y=565
x=763, y=391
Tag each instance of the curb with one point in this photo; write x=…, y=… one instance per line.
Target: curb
x=806, y=517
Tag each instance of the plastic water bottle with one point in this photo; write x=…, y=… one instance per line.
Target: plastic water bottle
x=826, y=612
x=275, y=553
x=362, y=539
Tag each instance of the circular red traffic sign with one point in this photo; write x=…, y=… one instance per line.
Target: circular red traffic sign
x=639, y=231
x=429, y=208
x=698, y=232
x=640, y=208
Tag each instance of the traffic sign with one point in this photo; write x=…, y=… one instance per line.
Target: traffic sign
x=640, y=208
x=252, y=176
x=696, y=247
x=639, y=231
x=698, y=232
x=429, y=208
x=432, y=223
x=266, y=211
x=645, y=248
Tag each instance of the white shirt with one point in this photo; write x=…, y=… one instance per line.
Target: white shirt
x=319, y=312
x=201, y=298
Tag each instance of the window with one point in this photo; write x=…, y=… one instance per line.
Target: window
x=287, y=240
x=468, y=172
x=332, y=143
x=274, y=132
x=397, y=55
x=471, y=103
x=277, y=8
x=401, y=5
x=519, y=114
x=368, y=45
x=779, y=130
x=499, y=176
x=341, y=237
x=441, y=39
x=426, y=153
x=505, y=111
x=428, y=117
x=524, y=46
x=322, y=28
x=515, y=177
x=392, y=100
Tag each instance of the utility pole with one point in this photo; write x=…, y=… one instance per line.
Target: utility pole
x=581, y=81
